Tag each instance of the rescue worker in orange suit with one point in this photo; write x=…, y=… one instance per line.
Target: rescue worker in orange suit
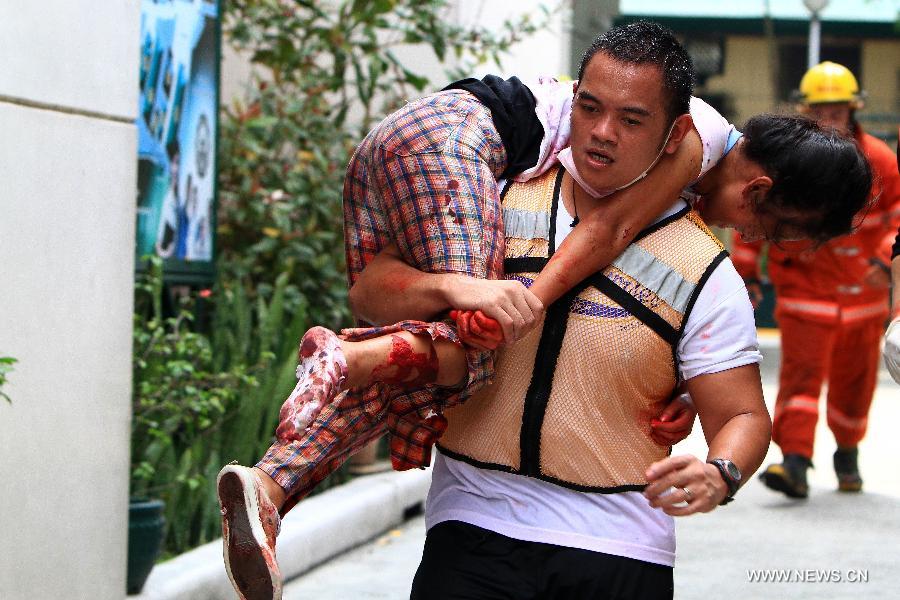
x=831, y=304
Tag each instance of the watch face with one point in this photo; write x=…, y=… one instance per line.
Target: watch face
x=732, y=469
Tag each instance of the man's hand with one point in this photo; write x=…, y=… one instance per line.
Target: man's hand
x=684, y=485
x=675, y=422
x=507, y=302
x=892, y=349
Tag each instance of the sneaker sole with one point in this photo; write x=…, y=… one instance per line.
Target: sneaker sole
x=252, y=576
x=777, y=481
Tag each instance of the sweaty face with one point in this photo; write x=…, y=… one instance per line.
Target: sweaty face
x=619, y=121
x=835, y=115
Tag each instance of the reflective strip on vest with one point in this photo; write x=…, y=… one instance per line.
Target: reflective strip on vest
x=526, y=224
x=655, y=275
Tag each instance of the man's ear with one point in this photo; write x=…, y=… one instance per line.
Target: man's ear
x=756, y=190
x=680, y=128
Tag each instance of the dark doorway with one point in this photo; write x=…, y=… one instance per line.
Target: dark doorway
x=792, y=56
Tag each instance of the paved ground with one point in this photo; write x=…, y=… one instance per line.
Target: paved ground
x=832, y=546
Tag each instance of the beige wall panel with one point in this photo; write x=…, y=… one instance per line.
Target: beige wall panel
x=746, y=76
x=66, y=249
x=881, y=75
x=80, y=54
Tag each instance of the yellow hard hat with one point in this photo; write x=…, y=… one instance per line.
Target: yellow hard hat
x=829, y=82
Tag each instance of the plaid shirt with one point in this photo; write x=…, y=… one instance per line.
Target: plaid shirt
x=425, y=181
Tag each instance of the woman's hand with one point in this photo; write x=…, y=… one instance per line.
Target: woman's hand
x=675, y=422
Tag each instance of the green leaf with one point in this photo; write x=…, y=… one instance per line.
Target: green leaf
x=362, y=87
x=417, y=81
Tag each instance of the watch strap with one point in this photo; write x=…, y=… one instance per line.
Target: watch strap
x=730, y=482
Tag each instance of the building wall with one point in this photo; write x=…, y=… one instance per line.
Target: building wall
x=746, y=77
x=880, y=79
x=68, y=96
x=881, y=75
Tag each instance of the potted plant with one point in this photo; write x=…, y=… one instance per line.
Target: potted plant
x=146, y=526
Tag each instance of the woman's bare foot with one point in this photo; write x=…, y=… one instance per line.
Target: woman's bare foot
x=321, y=375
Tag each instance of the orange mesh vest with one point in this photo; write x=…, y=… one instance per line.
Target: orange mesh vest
x=571, y=403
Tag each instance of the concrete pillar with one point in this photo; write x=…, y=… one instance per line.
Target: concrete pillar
x=68, y=99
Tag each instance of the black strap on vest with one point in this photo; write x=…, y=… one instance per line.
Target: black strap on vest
x=525, y=264
x=538, y=394
x=629, y=487
x=554, y=209
x=549, y=347
x=662, y=223
x=660, y=326
x=509, y=183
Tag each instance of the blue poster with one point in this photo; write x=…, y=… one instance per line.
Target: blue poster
x=176, y=124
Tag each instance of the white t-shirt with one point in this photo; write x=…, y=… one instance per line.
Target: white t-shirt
x=720, y=334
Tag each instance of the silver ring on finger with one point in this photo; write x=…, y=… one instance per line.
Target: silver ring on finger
x=688, y=494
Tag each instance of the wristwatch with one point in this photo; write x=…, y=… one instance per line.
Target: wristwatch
x=731, y=474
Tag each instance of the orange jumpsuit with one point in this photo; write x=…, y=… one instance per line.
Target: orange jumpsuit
x=831, y=322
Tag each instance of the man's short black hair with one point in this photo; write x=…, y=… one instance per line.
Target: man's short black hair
x=645, y=42
x=815, y=171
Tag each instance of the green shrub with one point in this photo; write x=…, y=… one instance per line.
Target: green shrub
x=181, y=403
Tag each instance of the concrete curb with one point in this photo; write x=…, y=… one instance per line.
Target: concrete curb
x=318, y=529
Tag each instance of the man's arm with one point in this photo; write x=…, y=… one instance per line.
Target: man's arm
x=388, y=290
x=737, y=427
